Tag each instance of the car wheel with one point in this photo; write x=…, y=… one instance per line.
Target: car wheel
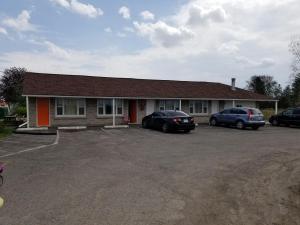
x=255, y=128
x=187, y=131
x=213, y=122
x=165, y=128
x=145, y=124
x=275, y=122
x=240, y=125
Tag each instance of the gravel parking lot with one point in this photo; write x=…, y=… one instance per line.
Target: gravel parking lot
x=212, y=176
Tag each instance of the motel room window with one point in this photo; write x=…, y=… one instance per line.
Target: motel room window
x=168, y=105
x=198, y=107
x=105, y=107
x=70, y=107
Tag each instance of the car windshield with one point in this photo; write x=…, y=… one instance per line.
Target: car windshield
x=255, y=111
x=174, y=113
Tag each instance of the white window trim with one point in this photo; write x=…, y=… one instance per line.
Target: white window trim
x=200, y=114
x=109, y=115
x=164, y=104
x=70, y=116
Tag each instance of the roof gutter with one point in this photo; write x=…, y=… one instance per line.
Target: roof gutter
x=182, y=98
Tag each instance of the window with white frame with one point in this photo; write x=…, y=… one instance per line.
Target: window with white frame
x=105, y=107
x=168, y=105
x=198, y=107
x=70, y=107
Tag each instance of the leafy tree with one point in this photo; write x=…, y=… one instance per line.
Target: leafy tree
x=294, y=48
x=265, y=85
x=285, y=100
x=296, y=90
x=11, y=86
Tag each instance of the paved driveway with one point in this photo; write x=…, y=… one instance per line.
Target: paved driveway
x=213, y=175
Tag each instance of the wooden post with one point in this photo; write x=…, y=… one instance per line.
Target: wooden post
x=276, y=107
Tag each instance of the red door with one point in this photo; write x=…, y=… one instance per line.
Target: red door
x=132, y=111
x=42, y=105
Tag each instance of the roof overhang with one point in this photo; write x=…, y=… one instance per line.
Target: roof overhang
x=144, y=97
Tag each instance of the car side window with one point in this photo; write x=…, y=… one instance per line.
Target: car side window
x=241, y=112
x=287, y=112
x=226, y=111
x=154, y=114
x=296, y=112
x=234, y=111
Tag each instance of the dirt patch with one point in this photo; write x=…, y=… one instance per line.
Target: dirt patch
x=261, y=191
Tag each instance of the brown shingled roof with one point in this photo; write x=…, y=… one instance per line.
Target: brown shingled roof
x=90, y=86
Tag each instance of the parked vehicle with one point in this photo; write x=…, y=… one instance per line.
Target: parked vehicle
x=169, y=120
x=241, y=117
x=289, y=117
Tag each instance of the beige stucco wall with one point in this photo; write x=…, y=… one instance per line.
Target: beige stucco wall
x=91, y=118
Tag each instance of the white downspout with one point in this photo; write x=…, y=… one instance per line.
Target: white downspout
x=114, y=112
x=27, y=111
x=276, y=107
x=179, y=104
x=233, y=103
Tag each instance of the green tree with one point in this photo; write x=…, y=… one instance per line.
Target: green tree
x=294, y=48
x=285, y=100
x=11, y=86
x=296, y=90
x=265, y=85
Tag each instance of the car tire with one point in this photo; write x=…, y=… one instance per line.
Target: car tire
x=145, y=124
x=240, y=125
x=255, y=128
x=187, y=131
x=165, y=128
x=213, y=122
x=275, y=123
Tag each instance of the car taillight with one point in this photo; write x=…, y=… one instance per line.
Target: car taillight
x=176, y=120
x=192, y=119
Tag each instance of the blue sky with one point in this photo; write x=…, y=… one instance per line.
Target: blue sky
x=211, y=40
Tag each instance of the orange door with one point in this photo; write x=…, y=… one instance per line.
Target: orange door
x=42, y=105
x=132, y=111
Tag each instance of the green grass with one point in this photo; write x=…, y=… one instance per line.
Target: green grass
x=5, y=131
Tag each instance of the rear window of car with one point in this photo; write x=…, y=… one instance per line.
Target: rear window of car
x=255, y=111
x=174, y=113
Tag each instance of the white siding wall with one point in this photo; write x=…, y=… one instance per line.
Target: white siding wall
x=251, y=104
x=150, y=106
x=228, y=104
x=214, y=106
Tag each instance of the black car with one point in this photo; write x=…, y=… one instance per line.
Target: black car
x=289, y=117
x=169, y=120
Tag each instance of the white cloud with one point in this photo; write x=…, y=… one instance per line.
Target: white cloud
x=252, y=38
x=108, y=30
x=124, y=12
x=78, y=7
x=198, y=15
x=121, y=35
x=229, y=47
x=163, y=34
x=147, y=15
x=3, y=31
x=57, y=51
x=21, y=23
x=262, y=63
x=129, y=29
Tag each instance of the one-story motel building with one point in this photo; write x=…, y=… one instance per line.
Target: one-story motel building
x=55, y=100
